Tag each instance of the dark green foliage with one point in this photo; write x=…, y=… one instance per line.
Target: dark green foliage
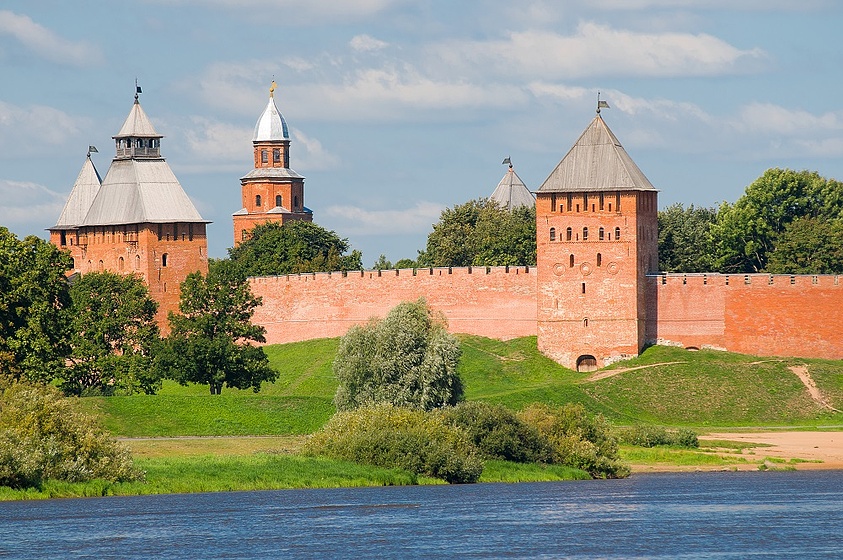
x=482, y=233
x=644, y=435
x=113, y=335
x=498, y=433
x=685, y=243
x=748, y=232
x=809, y=245
x=33, y=302
x=210, y=341
x=577, y=438
x=294, y=247
x=405, y=263
x=400, y=438
x=406, y=359
x=43, y=436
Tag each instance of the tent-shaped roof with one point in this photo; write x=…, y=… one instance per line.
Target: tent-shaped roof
x=271, y=126
x=511, y=192
x=83, y=193
x=597, y=162
x=137, y=124
x=140, y=191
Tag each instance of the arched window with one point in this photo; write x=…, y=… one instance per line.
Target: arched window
x=585, y=234
x=568, y=234
x=599, y=259
x=600, y=234
x=164, y=259
x=585, y=322
x=553, y=234
x=264, y=156
x=257, y=200
x=100, y=266
x=137, y=262
x=278, y=200
x=276, y=155
x=295, y=203
x=119, y=263
x=617, y=234
x=571, y=261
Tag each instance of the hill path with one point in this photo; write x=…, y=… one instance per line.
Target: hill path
x=803, y=375
x=613, y=372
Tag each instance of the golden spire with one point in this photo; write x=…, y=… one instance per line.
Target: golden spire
x=272, y=89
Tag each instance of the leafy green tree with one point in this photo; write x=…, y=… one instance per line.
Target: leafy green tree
x=34, y=298
x=747, y=232
x=382, y=263
x=685, y=243
x=210, y=342
x=44, y=436
x=405, y=263
x=113, y=335
x=406, y=359
x=482, y=233
x=809, y=245
x=294, y=247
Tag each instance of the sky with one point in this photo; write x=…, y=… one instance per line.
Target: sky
x=398, y=109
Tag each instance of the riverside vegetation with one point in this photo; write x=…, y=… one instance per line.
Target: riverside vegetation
x=259, y=439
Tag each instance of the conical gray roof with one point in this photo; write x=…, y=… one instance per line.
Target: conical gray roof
x=81, y=196
x=140, y=191
x=597, y=162
x=137, y=124
x=271, y=125
x=511, y=192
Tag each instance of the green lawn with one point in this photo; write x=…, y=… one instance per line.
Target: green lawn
x=705, y=389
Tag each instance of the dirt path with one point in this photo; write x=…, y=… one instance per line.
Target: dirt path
x=613, y=372
x=802, y=373
x=824, y=449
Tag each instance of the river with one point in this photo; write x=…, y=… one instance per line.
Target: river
x=675, y=515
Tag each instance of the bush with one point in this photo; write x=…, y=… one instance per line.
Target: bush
x=498, y=433
x=43, y=436
x=407, y=359
x=577, y=439
x=401, y=438
x=651, y=436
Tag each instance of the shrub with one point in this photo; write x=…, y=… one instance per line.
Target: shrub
x=407, y=359
x=577, y=439
x=650, y=436
x=402, y=438
x=498, y=433
x=43, y=436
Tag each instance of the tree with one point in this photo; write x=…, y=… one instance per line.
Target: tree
x=112, y=336
x=294, y=247
x=482, y=233
x=210, y=341
x=809, y=246
x=685, y=243
x=33, y=307
x=406, y=359
x=747, y=232
x=382, y=263
x=44, y=436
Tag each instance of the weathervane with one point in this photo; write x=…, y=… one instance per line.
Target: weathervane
x=601, y=104
x=507, y=160
x=272, y=87
x=137, y=90
x=92, y=149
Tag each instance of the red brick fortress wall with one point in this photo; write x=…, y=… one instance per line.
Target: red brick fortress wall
x=496, y=302
x=767, y=315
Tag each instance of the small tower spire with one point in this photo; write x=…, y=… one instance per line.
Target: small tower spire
x=272, y=88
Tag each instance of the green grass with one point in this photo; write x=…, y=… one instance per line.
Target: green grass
x=707, y=389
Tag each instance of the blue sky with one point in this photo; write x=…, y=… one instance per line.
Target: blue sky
x=400, y=108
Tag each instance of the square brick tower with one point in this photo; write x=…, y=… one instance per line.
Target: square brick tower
x=138, y=220
x=596, y=228
x=271, y=192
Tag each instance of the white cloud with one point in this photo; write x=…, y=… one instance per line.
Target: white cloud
x=314, y=156
x=212, y=140
x=596, y=49
x=23, y=201
x=747, y=5
x=767, y=117
x=366, y=43
x=364, y=221
x=24, y=130
x=47, y=44
x=313, y=12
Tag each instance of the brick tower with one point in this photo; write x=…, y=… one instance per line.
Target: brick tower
x=139, y=220
x=596, y=227
x=271, y=192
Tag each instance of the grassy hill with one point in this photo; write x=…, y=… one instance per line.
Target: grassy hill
x=665, y=386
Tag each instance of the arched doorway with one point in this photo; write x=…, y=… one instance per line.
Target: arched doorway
x=586, y=363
